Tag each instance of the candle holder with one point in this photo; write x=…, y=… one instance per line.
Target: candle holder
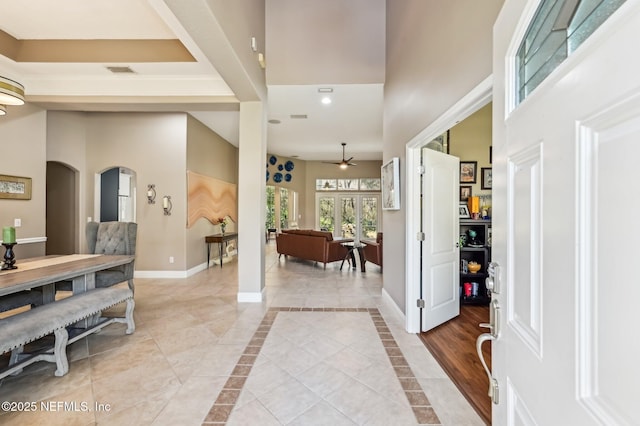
x=9, y=257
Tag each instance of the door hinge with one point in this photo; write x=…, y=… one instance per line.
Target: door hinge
x=420, y=303
x=420, y=170
x=420, y=236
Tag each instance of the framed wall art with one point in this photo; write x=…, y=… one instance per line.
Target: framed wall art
x=390, y=173
x=487, y=182
x=465, y=192
x=15, y=187
x=468, y=171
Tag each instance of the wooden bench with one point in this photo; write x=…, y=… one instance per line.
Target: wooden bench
x=20, y=329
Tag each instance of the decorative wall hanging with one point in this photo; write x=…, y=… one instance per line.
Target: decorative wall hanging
x=390, y=173
x=15, y=187
x=210, y=198
x=276, y=171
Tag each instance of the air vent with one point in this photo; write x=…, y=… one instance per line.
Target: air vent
x=121, y=70
x=298, y=116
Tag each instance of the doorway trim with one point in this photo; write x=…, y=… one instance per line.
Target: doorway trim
x=478, y=97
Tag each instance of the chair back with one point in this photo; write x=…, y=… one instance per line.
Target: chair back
x=112, y=238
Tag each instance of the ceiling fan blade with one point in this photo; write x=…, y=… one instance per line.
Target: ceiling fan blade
x=351, y=164
x=346, y=161
x=332, y=162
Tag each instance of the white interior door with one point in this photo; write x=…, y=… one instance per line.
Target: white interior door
x=565, y=165
x=440, y=279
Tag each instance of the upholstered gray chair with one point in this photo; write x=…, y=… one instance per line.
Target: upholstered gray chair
x=110, y=238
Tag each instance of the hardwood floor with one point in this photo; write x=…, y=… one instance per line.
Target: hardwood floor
x=453, y=345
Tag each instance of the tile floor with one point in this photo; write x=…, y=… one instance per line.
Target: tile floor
x=324, y=348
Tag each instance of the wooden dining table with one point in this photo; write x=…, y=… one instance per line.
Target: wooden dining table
x=44, y=272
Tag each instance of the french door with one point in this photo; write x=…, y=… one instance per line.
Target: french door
x=348, y=215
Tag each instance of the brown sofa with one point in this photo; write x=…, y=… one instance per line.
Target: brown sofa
x=311, y=245
x=373, y=250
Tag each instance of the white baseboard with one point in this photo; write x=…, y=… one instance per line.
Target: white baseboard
x=160, y=274
x=253, y=297
x=393, y=305
x=174, y=274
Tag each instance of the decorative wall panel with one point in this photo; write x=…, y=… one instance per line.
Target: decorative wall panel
x=210, y=198
x=525, y=246
x=608, y=250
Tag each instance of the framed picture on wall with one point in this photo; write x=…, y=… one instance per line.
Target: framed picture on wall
x=468, y=171
x=486, y=178
x=465, y=192
x=15, y=187
x=390, y=173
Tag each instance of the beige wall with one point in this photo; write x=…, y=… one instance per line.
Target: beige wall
x=470, y=141
x=23, y=147
x=67, y=144
x=153, y=145
x=319, y=170
x=210, y=155
x=425, y=75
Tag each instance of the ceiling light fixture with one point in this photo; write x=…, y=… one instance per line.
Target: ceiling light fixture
x=3, y=110
x=326, y=100
x=11, y=92
x=345, y=163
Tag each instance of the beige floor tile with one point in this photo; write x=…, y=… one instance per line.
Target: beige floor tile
x=322, y=414
x=288, y=400
x=313, y=368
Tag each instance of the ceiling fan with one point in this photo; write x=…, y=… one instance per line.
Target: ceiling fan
x=345, y=162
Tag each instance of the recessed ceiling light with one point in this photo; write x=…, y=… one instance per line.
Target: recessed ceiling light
x=274, y=121
x=326, y=100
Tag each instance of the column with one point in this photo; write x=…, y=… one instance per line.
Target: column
x=251, y=201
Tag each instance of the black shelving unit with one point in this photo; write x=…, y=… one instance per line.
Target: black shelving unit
x=480, y=253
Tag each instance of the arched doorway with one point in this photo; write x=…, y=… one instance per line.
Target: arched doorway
x=61, y=209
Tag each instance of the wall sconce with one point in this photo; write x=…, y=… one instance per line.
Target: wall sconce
x=11, y=92
x=166, y=205
x=151, y=193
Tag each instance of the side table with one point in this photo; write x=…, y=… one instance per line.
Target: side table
x=351, y=247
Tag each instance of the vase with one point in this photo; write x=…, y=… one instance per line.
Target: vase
x=222, y=228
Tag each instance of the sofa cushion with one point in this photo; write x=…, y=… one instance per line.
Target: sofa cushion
x=326, y=234
x=311, y=232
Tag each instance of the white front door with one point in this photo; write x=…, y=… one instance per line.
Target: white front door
x=564, y=204
x=440, y=281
